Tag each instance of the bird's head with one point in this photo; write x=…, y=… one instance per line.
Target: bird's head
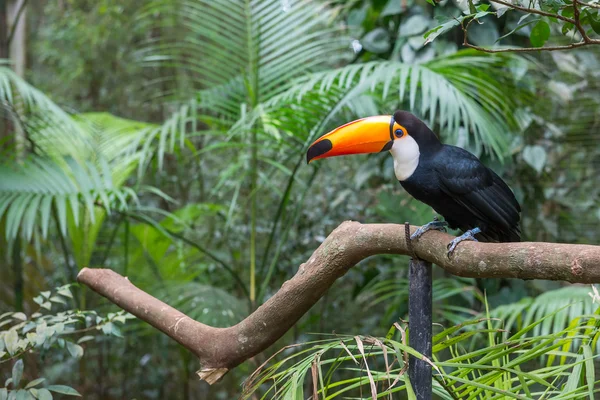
x=403, y=134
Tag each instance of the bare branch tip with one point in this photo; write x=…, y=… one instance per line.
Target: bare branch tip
x=83, y=271
x=212, y=375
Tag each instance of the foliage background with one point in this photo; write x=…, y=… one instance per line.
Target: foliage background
x=166, y=139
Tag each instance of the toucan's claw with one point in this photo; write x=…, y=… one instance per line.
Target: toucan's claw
x=433, y=225
x=468, y=235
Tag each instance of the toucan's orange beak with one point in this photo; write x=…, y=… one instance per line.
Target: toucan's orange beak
x=366, y=135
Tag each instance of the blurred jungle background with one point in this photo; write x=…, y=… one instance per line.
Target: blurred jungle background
x=166, y=140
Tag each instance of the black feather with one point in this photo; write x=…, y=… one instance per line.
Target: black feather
x=466, y=193
x=459, y=187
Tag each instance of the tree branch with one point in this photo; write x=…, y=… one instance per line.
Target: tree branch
x=534, y=11
x=15, y=23
x=221, y=349
x=526, y=49
x=577, y=18
x=585, y=39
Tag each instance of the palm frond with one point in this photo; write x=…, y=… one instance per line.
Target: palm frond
x=462, y=91
x=256, y=46
x=40, y=189
x=205, y=303
x=41, y=120
x=368, y=367
x=452, y=297
x=575, y=298
x=126, y=144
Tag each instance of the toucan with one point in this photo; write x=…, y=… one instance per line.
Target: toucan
x=454, y=182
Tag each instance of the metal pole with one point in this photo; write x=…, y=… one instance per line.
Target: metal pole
x=419, y=325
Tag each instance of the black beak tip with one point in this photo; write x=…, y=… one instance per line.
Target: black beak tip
x=318, y=149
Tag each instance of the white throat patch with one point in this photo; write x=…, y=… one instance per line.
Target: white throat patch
x=406, y=157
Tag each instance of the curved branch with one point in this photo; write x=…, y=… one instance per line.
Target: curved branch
x=221, y=349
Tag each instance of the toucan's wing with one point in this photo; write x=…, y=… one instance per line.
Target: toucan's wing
x=482, y=193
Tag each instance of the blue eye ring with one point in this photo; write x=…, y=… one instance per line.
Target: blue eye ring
x=399, y=133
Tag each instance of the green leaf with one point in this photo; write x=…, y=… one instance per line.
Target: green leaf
x=17, y=373
x=472, y=8
x=567, y=26
x=414, y=25
x=573, y=381
x=35, y=382
x=75, y=349
x=44, y=394
x=64, y=291
x=29, y=326
x=6, y=314
x=535, y=156
x=594, y=20
x=483, y=34
x=450, y=24
x=590, y=375
x=62, y=389
x=10, y=342
x=393, y=7
x=376, y=41
x=568, y=12
x=57, y=299
x=518, y=28
x=22, y=395
x=540, y=34
x=20, y=316
x=432, y=34
x=84, y=339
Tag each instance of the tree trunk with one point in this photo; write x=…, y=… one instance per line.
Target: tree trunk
x=12, y=46
x=3, y=28
x=16, y=10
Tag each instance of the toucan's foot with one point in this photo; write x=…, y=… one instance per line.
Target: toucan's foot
x=434, y=225
x=468, y=235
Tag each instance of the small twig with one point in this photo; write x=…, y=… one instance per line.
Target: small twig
x=19, y=354
x=529, y=49
x=534, y=11
x=576, y=17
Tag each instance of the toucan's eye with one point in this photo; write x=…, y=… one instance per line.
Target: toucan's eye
x=399, y=133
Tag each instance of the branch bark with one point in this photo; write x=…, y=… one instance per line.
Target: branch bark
x=221, y=349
